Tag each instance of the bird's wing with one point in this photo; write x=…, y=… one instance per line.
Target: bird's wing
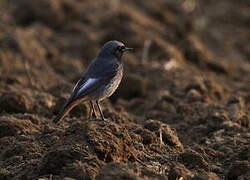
x=89, y=85
x=75, y=90
x=97, y=74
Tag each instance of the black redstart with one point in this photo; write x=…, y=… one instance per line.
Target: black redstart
x=100, y=80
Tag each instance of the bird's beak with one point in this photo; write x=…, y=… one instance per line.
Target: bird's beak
x=127, y=49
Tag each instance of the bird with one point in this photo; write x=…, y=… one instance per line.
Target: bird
x=100, y=80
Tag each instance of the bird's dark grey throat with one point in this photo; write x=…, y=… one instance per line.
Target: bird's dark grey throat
x=99, y=81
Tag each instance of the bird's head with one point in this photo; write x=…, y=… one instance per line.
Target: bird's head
x=113, y=49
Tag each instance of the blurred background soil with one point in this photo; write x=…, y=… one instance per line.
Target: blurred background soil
x=181, y=112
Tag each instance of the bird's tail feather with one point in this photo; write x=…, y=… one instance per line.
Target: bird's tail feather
x=65, y=110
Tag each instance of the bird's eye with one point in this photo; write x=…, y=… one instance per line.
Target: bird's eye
x=120, y=48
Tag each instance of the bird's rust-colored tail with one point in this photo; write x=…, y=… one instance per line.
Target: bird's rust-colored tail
x=65, y=110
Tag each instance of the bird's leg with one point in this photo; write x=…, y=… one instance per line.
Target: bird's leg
x=92, y=109
x=100, y=110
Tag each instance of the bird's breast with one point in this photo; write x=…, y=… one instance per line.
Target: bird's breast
x=113, y=84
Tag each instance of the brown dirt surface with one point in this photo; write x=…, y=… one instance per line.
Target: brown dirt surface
x=180, y=113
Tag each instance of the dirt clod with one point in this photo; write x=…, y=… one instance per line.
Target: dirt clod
x=12, y=102
x=238, y=170
x=178, y=171
x=115, y=171
x=10, y=126
x=206, y=176
x=192, y=159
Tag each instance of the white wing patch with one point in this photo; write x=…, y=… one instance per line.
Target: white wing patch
x=75, y=86
x=86, y=85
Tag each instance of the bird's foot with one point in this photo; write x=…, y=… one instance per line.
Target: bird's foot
x=93, y=119
x=98, y=119
x=105, y=119
x=102, y=119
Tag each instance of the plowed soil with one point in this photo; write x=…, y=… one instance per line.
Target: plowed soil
x=181, y=112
